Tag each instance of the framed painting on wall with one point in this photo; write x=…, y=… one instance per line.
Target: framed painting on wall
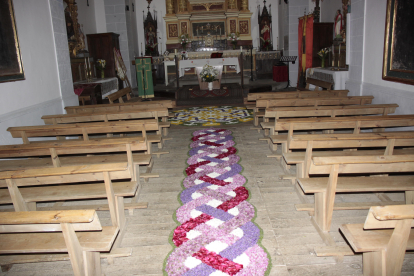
x=11, y=66
x=398, y=64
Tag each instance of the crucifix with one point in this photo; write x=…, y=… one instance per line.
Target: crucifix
x=316, y=11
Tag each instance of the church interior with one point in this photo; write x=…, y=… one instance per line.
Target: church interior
x=206, y=137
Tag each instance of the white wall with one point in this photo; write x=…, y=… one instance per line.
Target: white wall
x=24, y=102
x=328, y=10
x=86, y=17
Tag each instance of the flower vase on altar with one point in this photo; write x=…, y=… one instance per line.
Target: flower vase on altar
x=100, y=65
x=322, y=55
x=210, y=86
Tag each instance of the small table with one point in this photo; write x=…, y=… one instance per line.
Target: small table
x=338, y=78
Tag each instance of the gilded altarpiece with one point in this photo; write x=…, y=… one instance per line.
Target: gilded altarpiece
x=206, y=19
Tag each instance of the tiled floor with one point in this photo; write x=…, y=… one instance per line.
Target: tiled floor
x=289, y=235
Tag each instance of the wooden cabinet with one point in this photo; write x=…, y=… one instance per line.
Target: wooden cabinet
x=322, y=38
x=101, y=46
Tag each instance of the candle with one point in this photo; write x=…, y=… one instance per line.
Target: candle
x=220, y=32
x=197, y=31
x=175, y=51
x=241, y=49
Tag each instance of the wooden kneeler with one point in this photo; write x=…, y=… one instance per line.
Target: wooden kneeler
x=37, y=232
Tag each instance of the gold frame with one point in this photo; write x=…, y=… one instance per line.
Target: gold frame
x=392, y=47
x=12, y=65
x=75, y=44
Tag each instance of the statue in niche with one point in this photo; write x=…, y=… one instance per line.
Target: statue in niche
x=338, y=24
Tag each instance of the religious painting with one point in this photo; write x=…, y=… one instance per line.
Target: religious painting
x=244, y=27
x=398, y=63
x=232, y=26
x=208, y=28
x=11, y=66
x=184, y=28
x=172, y=30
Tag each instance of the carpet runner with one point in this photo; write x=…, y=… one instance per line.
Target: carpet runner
x=211, y=116
x=216, y=235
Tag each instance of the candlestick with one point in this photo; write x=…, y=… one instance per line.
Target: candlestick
x=197, y=31
x=339, y=56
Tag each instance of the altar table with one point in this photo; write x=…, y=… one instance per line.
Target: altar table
x=217, y=63
x=338, y=78
x=183, y=64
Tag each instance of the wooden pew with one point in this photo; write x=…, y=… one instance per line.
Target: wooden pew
x=383, y=250
x=24, y=188
x=325, y=188
x=119, y=106
x=355, y=123
x=87, y=129
x=323, y=111
x=111, y=116
x=117, y=96
x=73, y=152
x=296, y=94
x=384, y=143
x=82, y=236
x=315, y=101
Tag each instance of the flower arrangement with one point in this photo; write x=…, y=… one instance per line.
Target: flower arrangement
x=323, y=53
x=184, y=55
x=100, y=64
x=184, y=40
x=233, y=37
x=209, y=73
x=150, y=49
x=266, y=44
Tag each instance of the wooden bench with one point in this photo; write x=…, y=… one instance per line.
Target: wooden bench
x=117, y=96
x=73, y=152
x=296, y=94
x=120, y=106
x=111, y=116
x=383, y=250
x=359, y=100
x=323, y=111
x=325, y=188
x=384, y=143
x=86, y=129
x=355, y=123
x=82, y=236
x=318, y=84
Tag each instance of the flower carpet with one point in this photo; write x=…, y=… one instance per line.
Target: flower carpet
x=216, y=235
x=211, y=116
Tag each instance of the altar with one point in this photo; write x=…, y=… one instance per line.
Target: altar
x=338, y=78
x=217, y=63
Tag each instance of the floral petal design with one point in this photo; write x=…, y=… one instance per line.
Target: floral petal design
x=216, y=235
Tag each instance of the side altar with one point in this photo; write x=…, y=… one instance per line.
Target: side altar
x=207, y=24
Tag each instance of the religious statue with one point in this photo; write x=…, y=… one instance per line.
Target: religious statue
x=338, y=24
x=150, y=37
x=69, y=24
x=265, y=32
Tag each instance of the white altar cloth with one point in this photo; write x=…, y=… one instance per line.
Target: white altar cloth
x=326, y=74
x=183, y=64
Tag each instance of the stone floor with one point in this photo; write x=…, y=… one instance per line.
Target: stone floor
x=289, y=235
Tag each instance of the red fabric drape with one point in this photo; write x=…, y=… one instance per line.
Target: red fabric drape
x=300, y=37
x=309, y=42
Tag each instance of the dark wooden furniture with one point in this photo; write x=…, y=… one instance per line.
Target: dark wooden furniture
x=101, y=46
x=78, y=69
x=322, y=38
x=90, y=95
